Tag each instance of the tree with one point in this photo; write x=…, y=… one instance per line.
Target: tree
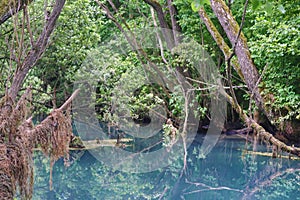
x=18, y=136
x=239, y=56
x=246, y=66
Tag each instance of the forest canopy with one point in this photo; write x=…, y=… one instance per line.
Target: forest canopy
x=45, y=44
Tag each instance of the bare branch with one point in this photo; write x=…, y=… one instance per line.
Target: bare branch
x=28, y=26
x=70, y=99
x=158, y=37
x=240, y=30
x=37, y=50
x=162, y=21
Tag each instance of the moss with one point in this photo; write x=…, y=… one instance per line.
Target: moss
x=220, y=41
x=4, y=7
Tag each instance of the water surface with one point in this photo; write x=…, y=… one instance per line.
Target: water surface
x=226, y=173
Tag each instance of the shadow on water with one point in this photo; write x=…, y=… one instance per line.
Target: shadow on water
x=226, y=173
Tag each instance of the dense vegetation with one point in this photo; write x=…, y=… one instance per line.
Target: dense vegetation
x=257, y=56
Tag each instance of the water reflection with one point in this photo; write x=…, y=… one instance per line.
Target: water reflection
x=226, y=173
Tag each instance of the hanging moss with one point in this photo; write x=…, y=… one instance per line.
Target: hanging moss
x=18, y=137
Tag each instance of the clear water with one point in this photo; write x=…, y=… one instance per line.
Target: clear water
x=226, y=173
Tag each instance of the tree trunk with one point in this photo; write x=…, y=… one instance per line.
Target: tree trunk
x=17, y=135
x=245, y=66
x=220, y=41
x=37, y=50
x=176, y=29
x=169, y=38
x=242, y=52
x=260, y=131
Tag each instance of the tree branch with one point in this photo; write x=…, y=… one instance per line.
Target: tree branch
x=220, y=41
x=11, y=7
x=162, y=21
x=231, y=29
x=175, y=26
x=37, y=50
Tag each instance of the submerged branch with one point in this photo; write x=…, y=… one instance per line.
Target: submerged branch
x=209, y=188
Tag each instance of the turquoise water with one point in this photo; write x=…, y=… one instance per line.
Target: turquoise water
x=226, y=173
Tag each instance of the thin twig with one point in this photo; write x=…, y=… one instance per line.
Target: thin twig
x=255, y=87
x=210, y=188
x=158, y=37
x=28, y=26
x=240, y=29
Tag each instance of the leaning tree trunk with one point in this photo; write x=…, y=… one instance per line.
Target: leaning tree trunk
x=220, y=41
x=18, y=136
x=242, y=52
x=260, y=131
x=245, y=68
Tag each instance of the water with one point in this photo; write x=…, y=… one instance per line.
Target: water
x=226, y=173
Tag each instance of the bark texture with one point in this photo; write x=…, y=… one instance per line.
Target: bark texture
x=220, y=41
x=11, y=7
x=37, y=50
x=242, y=52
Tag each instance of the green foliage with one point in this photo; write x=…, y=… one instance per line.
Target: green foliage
x=176, y=102
x=275, y=46
x=268, y=6
x=272, y=30
x=78, y=30
x=170, y=135
x=197, y=4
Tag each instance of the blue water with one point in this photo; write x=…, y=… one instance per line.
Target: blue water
x=227, y=172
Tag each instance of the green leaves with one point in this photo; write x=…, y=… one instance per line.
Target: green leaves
x=268, y=6
x=256, y=4
x=275, y=41
x=281, y=9
x=197, y=4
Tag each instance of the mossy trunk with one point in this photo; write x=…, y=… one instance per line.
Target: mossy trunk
x=260, y=131
x=220, y=41
x=248, y=69
x=10, y=7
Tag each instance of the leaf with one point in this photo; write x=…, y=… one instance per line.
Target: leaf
x=256, y=4
x=281, y=9
x=202, y=2
x=269, y=7
x=197, y=4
